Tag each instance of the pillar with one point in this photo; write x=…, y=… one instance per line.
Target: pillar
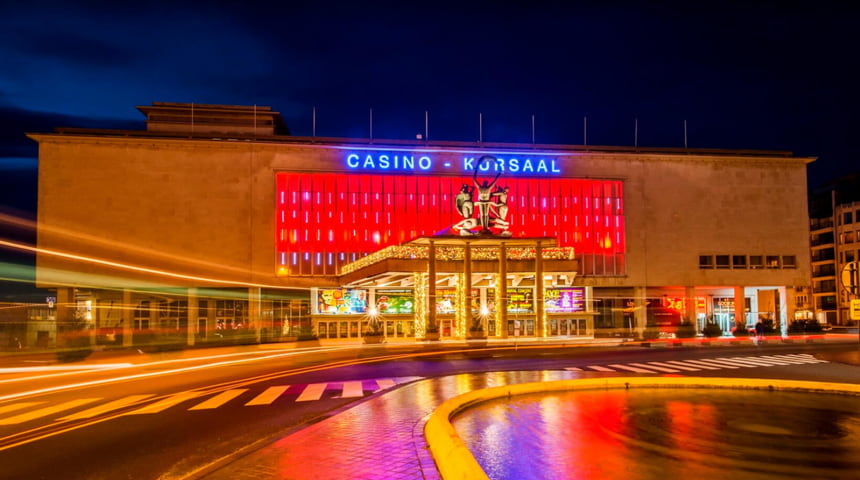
x=431, y=290
x=690, y=302
x=254, y=311
x=127, y=318
x=740, y=314
x=502, y=293
x=191, y=312
x=540, y=317
x=640, y=311
x=467, y=275
x=65, y=312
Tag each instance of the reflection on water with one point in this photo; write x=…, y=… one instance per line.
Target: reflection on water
x=664, y=434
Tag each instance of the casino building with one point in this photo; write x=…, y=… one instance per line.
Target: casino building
x=215, y=222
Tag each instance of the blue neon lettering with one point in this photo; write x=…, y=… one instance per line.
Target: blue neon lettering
x=527, y=166
x=368, y=162
x=389, y=161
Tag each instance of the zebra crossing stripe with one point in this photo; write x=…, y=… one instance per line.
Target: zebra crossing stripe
x=783, y=358
x=107, y=407
x=384, y=383
x=808, y=358
x=631, y=369
x=267, y=397
x=708, y=361
x=166, y=403
x=219, y=399
x=694, y=363
x=18, y=406
x=44, y=412
x=686, y=368
x=312, y=392
x=754, y=362
x=352, y=390
x=600, y=369
x=655, y=367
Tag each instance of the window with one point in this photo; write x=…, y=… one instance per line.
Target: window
x=756, y=261
x=848, y=217
x=739, y=261
x=789, y=261
x=772, y=261
x=706, y=261
x=849, y=256
x=722, y=261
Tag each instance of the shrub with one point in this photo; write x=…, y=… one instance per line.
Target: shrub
x=712, y=330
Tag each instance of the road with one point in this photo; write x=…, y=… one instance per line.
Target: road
x=166, y=416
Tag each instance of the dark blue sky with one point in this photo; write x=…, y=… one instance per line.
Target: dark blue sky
x=763, y=75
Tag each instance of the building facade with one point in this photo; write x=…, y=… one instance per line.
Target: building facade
x=214, y=220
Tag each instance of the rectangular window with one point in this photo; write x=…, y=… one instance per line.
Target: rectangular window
x=849, y=256
x=772, y=261
x=756, y=261
x=739, y=261
x=706, y=261
x=789, y=261
x=848, y=217
x=722, y=261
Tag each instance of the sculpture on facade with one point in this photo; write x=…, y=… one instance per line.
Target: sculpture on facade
x=491, y=202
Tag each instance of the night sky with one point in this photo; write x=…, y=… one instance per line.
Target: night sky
x=770, y=75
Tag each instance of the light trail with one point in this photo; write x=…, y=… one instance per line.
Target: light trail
x=154, y=374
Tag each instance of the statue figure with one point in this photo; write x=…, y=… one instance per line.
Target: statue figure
x=464, y=201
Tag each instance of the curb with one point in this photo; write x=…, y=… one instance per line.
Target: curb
x=454, y=460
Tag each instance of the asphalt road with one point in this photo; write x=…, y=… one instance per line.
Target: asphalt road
x=163, y=417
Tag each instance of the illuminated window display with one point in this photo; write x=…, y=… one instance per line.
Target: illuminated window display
x=325, y=220
x=395, y=301
x=565, y=300
x=341, y=301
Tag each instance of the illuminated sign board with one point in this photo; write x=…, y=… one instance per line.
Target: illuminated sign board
x=521, y=300
x=425, y=162
x=565, y=300
x=341, y=301
x=399, y=301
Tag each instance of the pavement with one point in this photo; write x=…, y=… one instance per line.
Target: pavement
x=377, y=438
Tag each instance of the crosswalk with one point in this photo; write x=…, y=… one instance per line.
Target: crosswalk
x=702, y=364
x=22, y=412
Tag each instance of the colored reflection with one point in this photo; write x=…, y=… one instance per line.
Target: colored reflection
x=663, y=433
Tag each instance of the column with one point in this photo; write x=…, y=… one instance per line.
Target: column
x=254, y=311
x=127, y=318
x=740, y=314
x=788, y=305
x=191, y=312
x=467, y=275
x=502, y=293
x=540, y=317
x=690, y=302
x=431, y=293
x=65, y=312
x=640, y=311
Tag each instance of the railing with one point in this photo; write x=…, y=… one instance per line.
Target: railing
x=443, y=253
x=819, y=223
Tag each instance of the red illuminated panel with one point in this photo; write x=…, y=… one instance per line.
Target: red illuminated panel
x=324, y=220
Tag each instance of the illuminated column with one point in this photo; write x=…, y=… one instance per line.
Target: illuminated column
x=461, y=315
x=740, y=303
x=420, y=281
x=690, y=304
x=640, y=311
x=127, y=318
x=191, y=328
x=540, y=314
x=254, y=311
x=467, y=274
x=787, y=306
x=502, y=292
x=431, y=290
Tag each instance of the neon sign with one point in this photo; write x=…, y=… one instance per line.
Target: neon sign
x=380, y=162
